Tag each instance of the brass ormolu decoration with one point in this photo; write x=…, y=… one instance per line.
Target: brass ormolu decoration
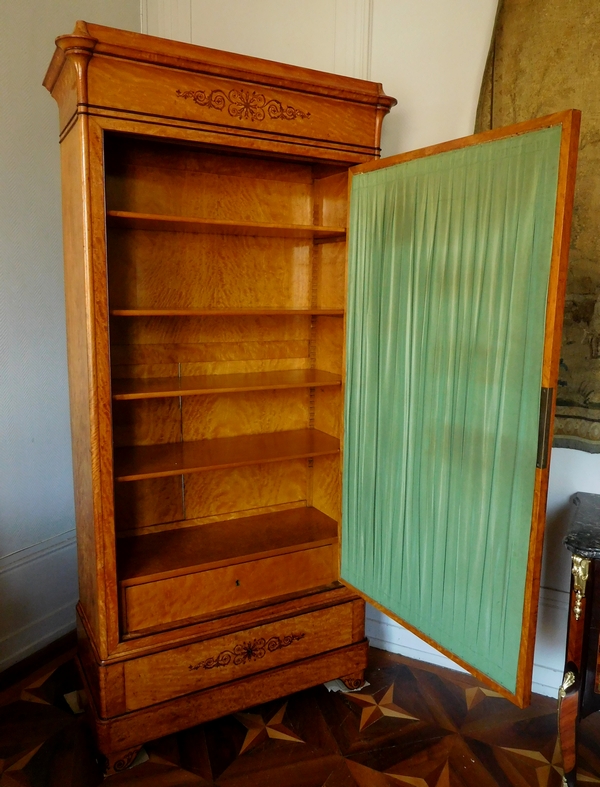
x=124, y=762
x=244, y=104
x=247, y=651
x=568, y=681
x=580, y=571
x=352, y=683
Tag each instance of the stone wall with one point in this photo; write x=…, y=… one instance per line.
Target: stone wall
x=545, y=57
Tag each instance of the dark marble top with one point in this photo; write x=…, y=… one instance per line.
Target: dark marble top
x=583, y=537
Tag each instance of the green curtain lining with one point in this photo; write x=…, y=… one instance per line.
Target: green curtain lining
x=449, y=260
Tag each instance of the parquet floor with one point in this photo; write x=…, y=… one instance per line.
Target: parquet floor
x=415, y=726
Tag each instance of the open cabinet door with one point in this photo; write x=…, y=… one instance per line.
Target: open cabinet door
x=456, y=282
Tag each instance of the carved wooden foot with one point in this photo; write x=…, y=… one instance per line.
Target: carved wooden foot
x=354, y=681
x=119, y=760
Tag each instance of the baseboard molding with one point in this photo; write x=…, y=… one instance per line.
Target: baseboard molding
x=42, y=615
x=36, y=635
x=38, y=593
x=549, y=655
x=40, y=551
x=24, y=668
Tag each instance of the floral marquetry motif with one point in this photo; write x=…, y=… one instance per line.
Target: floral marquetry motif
x=247, y=651
x=244, y=104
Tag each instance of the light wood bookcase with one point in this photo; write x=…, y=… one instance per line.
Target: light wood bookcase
x=205, y=202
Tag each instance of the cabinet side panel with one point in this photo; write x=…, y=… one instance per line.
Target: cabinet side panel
x=79, y=360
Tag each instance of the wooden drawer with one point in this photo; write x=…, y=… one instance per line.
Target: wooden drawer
x=180, y=671
x=164, y=602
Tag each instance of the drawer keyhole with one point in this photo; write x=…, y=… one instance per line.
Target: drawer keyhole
x=237, y=583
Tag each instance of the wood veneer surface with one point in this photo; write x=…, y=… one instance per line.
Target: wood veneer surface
x=150, y=221
x=169, y=552
x=195, y=595
x=223, y=258
x=153, y=461
x=223, y=312
x=147, y=388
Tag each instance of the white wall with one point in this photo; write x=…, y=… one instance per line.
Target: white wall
x=430, y=55
x=38, y=585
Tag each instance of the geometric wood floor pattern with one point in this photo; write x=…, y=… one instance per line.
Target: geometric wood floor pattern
x=415, y=725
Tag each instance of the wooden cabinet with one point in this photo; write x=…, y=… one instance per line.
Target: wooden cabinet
x=579, y=695
x=205, y=203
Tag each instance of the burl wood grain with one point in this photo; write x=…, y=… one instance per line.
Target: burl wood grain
x=327, y=486
x=201, y=184
x=206, y=546
x=153, y=461
x=212, y=271
x=251, y=412
x=133, y=728
x=159, y=387
x=153, y=501
x=250, y=489
x=331, y=199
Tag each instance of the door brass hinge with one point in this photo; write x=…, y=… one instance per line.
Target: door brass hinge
x=544, y=428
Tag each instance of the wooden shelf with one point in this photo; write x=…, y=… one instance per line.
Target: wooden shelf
x=198, y=548
x=134, y=463
x=150, y=221
x=241, y=312
x=153, y=388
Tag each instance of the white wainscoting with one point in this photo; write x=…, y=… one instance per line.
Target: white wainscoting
x=41, y=582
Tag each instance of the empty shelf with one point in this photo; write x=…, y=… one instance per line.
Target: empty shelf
x=150, y=388
x=134, y=463
x=151, y=221
x=152, y=556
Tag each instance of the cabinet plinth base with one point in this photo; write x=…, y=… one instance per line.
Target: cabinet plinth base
x=130, y=730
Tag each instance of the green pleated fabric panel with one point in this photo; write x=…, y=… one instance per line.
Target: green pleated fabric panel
x=449, y=260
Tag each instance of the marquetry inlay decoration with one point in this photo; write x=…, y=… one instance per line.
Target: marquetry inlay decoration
x=259, y=729
x=313, y=739
x=253, y=650
x=244, y=104
x=476, y=694
x=377, y=705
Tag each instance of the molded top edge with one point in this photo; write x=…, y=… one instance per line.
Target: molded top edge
x=98, y=39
